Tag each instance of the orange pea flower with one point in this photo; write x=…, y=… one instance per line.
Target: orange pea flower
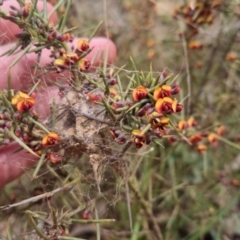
x=212, y=137
x=202, y=148
x=151, y=117
x=161, y=92
x=182, y=125
x=191, y=122
x=231, y=56
x=139, y=93
x=22, y=102
x=59, y=62
x=221, y=130
x=195, y=138
x=84, y=64
x=195, y=45
x=82, y=45
x=138, y=138
x=216, y=3
x=160, y=122
x=114, y=94
x=50, y=139
x=166, y=105
x=70, y=57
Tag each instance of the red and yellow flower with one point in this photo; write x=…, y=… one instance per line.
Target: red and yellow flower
x=50, y=139
x=60, y=62
x=83, y=45
x=166, y=105
x=182, y=125
x=70, y=58
x=202, y=148
x=84, y=64
x=23, y=102
x=231, y=56
x=191, y=122
x=157, y=120
x=138, y=138
x=195, y=45
x=161, y=92
x=221, y=130
x=212, y=137
x=195, y=138
x=114, y=94
x=139, y=93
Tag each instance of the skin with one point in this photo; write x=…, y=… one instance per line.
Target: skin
x=12, y=164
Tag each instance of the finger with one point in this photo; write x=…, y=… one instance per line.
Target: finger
x=44, y=99
x=9, y=29
x=12, y=163
x=103, y=49
x=22, y=73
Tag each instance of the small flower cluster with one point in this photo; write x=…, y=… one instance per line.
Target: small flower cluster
x=23, y=12
x=141, y=112
x=19, y=122
x=65, y=60
x=195, y=14
x=198, y=139
x=36, y=27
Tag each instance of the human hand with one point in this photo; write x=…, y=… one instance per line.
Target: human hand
x=13, y=164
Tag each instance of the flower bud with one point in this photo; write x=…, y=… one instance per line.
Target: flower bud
x=18, y=131
x=26, y=138
x=8, y=124
x=145, y=110
x=179, y=107
x=95, y=96
x=163, y=75
x=158, y=132
x=55, y=158
x=6, y=141
x=112, y=81
x=17, y=116
x=26, y=10
x=121, y=139
x=2, y=123
x=175, y=89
